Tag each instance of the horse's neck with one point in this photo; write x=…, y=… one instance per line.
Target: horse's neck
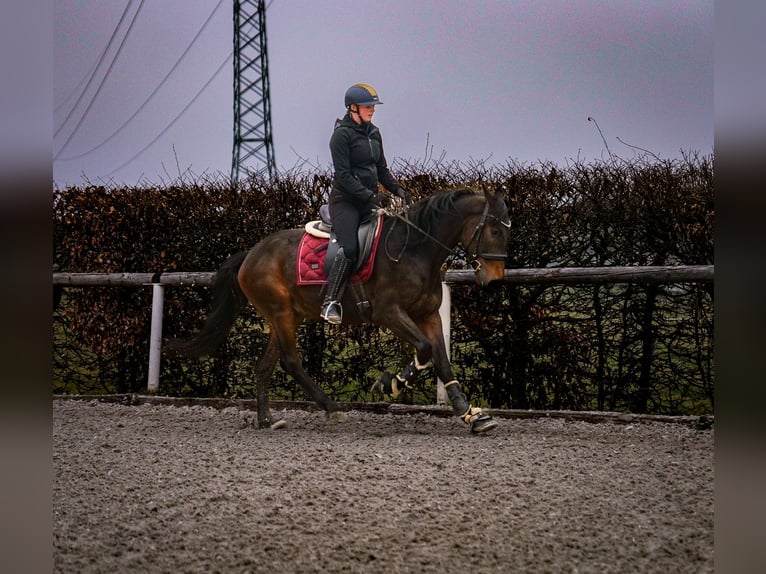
x=450, y=230
x=441, y=240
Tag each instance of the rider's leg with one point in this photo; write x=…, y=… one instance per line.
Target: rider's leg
x=332, y=311
x=345, y=223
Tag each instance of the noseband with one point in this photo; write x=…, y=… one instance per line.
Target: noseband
x=477, y=236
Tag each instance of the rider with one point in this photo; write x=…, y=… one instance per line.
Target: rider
x=359, y=163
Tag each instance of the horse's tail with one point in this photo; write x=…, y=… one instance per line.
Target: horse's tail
x=228, y=300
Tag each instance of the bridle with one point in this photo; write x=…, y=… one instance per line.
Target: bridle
x=478, y=235
x=476, y=238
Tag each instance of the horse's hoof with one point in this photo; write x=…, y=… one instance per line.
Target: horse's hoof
x=483, y=423
x=336, y=416
x=280, y=424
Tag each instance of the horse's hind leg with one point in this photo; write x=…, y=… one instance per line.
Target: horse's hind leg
x=263, y=371
x=286, y=325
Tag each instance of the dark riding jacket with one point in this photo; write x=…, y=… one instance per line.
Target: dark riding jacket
x=359, y=161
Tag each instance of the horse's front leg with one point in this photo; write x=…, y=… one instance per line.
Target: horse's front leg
x=478, y=420
x=406, y=329
x=428, y=339
x=402, y=383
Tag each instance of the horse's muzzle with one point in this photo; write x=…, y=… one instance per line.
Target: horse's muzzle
x=489, y=267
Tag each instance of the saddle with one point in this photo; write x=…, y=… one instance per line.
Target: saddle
x=366, y=236
x=319, y=246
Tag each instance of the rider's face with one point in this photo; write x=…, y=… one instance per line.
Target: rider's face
x=365, y=113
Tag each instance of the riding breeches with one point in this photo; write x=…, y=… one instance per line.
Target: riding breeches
x=346, y=217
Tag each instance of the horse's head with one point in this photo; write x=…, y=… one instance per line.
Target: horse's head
x=486, y=239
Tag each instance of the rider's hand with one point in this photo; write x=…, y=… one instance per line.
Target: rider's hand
x=403, y=195
x=380, y=200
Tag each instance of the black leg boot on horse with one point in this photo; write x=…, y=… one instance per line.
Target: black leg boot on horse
x=332, y=310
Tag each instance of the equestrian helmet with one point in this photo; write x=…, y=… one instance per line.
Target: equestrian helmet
x=362, y=95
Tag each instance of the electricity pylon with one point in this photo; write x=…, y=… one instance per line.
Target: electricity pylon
x=252, y=99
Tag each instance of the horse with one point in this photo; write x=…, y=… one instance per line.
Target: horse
x=403, y=294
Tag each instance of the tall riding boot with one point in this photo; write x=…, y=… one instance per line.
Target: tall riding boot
x=332, y=311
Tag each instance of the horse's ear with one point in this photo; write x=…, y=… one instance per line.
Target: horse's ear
x=499, y=190
x=484, y=188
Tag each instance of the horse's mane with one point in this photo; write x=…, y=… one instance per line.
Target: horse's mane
x=426, y=211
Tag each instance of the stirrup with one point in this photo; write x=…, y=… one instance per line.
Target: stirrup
x=333, y=313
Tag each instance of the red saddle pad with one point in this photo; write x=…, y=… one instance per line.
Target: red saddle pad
x=309, y=263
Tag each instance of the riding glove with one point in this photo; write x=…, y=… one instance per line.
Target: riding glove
x=403, y=195
x=380, y=200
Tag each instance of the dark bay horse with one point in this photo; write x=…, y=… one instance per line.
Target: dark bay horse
x=404, y=293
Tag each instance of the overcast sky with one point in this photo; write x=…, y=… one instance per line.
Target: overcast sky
x=473, y=81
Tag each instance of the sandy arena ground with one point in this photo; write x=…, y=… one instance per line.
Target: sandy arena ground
x=152, y=488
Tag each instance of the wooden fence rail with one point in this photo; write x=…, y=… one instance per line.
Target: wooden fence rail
x=553, y=275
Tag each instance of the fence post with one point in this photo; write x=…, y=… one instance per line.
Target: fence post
x=444, y=314
x=155, y=337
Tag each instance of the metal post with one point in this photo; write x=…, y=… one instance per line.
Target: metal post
x=155, y=337
x=444, y=313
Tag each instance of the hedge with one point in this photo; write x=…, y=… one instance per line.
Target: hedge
x=623, y=347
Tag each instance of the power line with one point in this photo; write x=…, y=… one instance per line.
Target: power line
x=88, y=74
x=157, y=89
x=103, y=80
x=98, y=64
x=186, y=107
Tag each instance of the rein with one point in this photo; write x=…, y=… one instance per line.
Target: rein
x=415, y=227
x=475, y=238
